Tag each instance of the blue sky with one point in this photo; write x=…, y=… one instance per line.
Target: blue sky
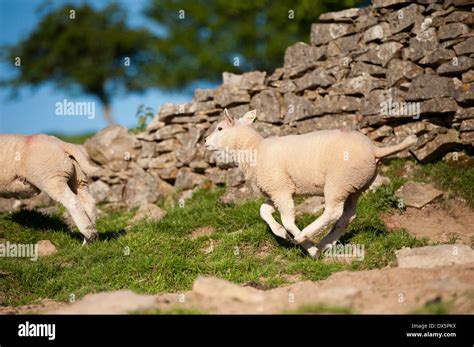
x=34, y=110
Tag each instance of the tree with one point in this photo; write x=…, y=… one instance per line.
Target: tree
x=82, y=49
x=200, y=39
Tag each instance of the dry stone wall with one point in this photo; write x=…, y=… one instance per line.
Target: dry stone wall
x=389, y=70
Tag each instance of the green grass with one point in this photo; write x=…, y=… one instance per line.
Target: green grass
x=455, y=178
x=77, y=139
x=318, y=309
x=438, y=307
x=163, y=258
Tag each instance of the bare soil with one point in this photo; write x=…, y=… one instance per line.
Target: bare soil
x=439, y=222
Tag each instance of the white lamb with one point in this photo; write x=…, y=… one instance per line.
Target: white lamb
x=340, y=164
x=30, y=164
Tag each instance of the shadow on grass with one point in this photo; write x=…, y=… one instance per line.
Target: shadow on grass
x=287, y=244
x=283, y=243
x=37, y=220
x=111, y=235
x=350, y=234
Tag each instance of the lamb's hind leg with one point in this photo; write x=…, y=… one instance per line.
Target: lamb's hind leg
x=19, y=189
x=334, y=207
x=341, y=225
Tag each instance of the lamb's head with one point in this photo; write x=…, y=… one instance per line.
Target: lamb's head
x=229, y=132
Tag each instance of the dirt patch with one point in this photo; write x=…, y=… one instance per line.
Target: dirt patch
x=202, y=231
x=453, y=221
x=261, y=251
x=265, y=250
x=292, y=278
x=209, y=246
x=261, y=284
x=45, y=305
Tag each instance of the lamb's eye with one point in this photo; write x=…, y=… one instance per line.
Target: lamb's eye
x=219, y=128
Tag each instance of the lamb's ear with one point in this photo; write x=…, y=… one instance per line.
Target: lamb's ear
x=228, y=118
x=248, y=118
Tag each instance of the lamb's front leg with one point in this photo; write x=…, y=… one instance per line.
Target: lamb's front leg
x=59, y=190
x=266, y=211
x=286, y=207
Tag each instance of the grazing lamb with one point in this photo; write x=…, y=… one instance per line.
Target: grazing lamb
x=340, y=164
x=30, y=164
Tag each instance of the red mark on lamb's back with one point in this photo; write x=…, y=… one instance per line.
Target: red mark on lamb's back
x=29, y=139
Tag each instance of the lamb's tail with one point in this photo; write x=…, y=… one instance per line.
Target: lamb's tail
x=381, y=152
x=76, y=152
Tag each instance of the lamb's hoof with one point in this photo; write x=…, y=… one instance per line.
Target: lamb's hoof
x=300, y=239
x=281, y=232
x=290, y=238
x=313, y=252
x=91, y=238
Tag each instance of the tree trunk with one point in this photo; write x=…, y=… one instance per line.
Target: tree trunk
x=108, y=115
